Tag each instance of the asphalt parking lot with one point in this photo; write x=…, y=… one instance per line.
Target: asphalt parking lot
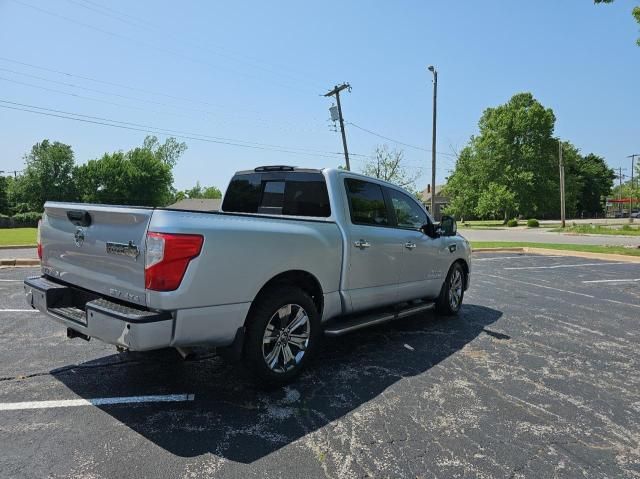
x=539, y=376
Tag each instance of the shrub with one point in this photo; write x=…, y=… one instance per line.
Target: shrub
x=29, y=219
x=512, y=223
x=533, y=223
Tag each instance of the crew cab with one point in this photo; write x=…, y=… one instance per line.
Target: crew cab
x=293, y=254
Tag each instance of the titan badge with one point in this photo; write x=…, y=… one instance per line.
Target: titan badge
x=123, y=249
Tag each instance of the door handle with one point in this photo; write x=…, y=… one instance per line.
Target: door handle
x=362, y=244
x=410, y=245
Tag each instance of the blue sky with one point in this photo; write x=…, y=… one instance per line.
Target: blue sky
x=254, y=72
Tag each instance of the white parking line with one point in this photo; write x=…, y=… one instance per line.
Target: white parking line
x=495, y=258
x=11, y=280
x=16, y=406
x=612, y=280
x=512, y=280
x=562, y=266
x=19, y=310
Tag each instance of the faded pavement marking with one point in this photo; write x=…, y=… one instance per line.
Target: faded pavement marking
x=556, y=266
x=17, y=406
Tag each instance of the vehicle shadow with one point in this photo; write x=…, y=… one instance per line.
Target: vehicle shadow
x=233, y=419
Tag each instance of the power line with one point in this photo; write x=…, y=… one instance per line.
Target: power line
x=118, y=85
x=121, y=105
x=95, y=90
x=83, y=97
x=281, y=125
x=217, y=50
x=397, y=141
x=165, y=130
x=152, y=45
x=102, y=92
x=156, y=130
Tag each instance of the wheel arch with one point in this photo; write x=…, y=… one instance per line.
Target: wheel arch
x=297, y=278
x=465, y=269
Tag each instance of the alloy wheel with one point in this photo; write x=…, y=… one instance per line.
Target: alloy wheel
x=286, y=338
x=455, y=289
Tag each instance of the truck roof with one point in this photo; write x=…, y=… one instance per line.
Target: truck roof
x=270, y=168
x=287, y=168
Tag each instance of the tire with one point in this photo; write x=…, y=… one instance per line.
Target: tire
x=277, y=320
x=452, y=293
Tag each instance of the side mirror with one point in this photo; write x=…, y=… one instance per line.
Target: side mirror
x=448, y=226
x=430, y=230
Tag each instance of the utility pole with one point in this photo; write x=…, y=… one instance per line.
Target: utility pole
x=633, y=190
x=620, y=177
x=336, y=91
x=432, y=207
x=562, y=210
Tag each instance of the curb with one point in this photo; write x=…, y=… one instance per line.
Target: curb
x=510, y=249
x=561, y=252
x=19, y=262
x=18, y=246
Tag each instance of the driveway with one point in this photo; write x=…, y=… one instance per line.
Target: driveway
x=11, y=253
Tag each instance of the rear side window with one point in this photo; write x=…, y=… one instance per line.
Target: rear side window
x=243, y=194
x=366, y=203
x=277, y=193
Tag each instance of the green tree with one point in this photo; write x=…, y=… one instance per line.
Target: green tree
x=4, y=195
x=168, y=152
x=47, y=175
x=142, y=176
x=514, y=152
x=198, y=191
x=597, y=181
x=390, y=165
x=496, y=200
x=626, y=191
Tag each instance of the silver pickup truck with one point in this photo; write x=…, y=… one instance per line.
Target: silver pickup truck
x=295, y=253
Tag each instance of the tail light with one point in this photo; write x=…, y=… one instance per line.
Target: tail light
x=167, y=257
x=39, y=240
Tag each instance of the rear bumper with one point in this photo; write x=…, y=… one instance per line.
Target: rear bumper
x=96, y=317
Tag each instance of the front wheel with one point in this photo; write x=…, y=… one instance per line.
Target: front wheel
x=452, y=292
x=282, y=332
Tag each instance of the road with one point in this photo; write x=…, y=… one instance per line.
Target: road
x=543, y=235
x=537, y=377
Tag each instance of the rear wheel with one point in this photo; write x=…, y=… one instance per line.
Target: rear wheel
x=452, y=292
x=282, y=333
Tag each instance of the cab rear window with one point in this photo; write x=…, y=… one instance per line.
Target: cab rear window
x=278, y=193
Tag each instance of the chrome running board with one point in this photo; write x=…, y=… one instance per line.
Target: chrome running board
x=347, y=324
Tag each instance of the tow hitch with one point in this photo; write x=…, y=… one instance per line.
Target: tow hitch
x=72, y=333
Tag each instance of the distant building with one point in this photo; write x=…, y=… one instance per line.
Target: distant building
x=440, y=200
x=197, y=204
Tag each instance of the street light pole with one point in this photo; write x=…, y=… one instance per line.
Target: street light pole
x=633, y=190
x=561, y=164
x=432, y=207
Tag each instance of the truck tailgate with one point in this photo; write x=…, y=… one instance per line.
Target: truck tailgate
x=100, y=248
